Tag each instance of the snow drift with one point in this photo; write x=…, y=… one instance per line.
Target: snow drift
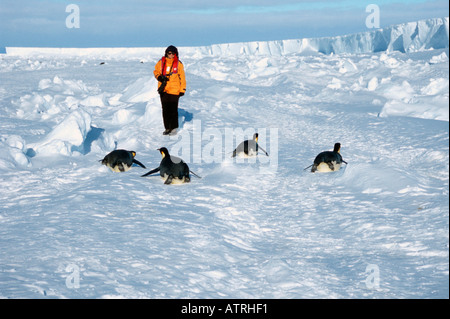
x=67, y=136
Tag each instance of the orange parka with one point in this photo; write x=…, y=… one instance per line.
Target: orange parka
x=177, y=81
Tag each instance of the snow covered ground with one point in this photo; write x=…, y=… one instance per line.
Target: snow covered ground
x=250, y=228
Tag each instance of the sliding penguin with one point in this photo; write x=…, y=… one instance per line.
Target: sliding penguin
x=248, y=148
x=328, y=161
x=120, y=160
x=172, y=169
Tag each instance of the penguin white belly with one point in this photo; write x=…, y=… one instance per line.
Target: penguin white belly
x=251, y=153
x=324, y=168
x=246, y=149
x=116, y=168
x=175, y=180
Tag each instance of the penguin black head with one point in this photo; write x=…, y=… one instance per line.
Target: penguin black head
x=337, y=147
x=164, y=152
x=133, y=153
x=255, y=137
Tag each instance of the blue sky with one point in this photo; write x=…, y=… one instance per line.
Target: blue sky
x=141, y=23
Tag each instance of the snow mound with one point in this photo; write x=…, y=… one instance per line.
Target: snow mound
x=430, y=102
x=55, y=97
x=142, y=90
x=68, y=136
x=439, y=58
x=13, y=154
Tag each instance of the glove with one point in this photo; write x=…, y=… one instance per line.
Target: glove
x=181, y=94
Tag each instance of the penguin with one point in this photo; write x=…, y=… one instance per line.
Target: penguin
x=248, y=148
x=172, y=169
x=120, y=160
x=328, y=161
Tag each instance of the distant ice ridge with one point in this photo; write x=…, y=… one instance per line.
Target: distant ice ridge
x=407, y=37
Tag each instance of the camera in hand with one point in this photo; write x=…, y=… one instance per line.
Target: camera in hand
x=163, y=79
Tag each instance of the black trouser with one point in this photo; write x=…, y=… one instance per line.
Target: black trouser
x=169, y=104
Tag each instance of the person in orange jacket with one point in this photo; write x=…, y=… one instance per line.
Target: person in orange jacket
x=169, y=71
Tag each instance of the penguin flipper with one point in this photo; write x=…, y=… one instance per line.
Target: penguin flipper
x=194, y=174
x=259, y=147
x=151, y=172
x=139, y=163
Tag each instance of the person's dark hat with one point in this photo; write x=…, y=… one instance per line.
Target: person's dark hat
x=173, y=49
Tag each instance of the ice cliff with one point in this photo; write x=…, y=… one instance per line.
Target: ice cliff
x=406, y=37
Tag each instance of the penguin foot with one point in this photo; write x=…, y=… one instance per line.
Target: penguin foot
x=169, y=180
